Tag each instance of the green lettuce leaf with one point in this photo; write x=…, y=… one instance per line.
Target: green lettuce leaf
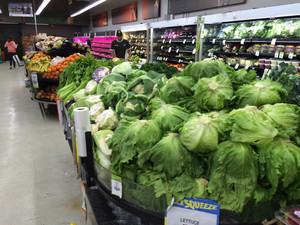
x=233, y=175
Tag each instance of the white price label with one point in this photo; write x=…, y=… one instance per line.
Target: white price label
x=276, y=55
x=179, y=60
x=184, y=41
x=170, y=49
x=193, y=211
x=291, y=55
x=224, y=42
x=34, y=78
x=136, y=41
x=213, y=41
x=116, y=185
x=170, y=41
x=281, y=54
x=177, y=50
x=236, y=66
x=194, y=51
x=143, y=40
x=194, y=40
x=210, y=54
x=164, y=40
x=242, y=41
x=162, y=47
x=273, y=42
x=257, y=53
x=246, y=67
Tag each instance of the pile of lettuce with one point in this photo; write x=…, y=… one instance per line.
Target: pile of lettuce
x=262, y=29
x=208, y=132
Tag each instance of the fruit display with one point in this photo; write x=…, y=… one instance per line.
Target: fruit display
x=48, y=94
x=50, y=42
x=39, y=63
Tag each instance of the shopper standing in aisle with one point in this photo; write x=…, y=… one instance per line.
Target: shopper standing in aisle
x=11, y=49
x=120, y=47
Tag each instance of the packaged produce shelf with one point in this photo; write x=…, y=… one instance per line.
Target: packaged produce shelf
x=255, y=40
x=99, y=47
x=179, y=40
x=172, y=59
x=101, y=42
x=248, y=54
x=173, y=50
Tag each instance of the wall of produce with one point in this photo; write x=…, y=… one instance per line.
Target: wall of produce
x=206, y=132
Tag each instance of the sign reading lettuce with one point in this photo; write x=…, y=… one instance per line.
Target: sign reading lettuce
x=179, y=6
x=193, y=211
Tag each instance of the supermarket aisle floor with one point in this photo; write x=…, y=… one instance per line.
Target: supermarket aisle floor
x=38, y=184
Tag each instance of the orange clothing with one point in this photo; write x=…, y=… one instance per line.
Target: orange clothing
x=11, y=46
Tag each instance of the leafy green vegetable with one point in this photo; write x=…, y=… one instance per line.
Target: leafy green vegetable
x=279, y=168
x=141, y=85
x=79, y=94
x=167, y=116
x=91, y=87
x=133, y=107
x=260, y=93
x=233, y=175
x=92, y=100
x=101, y=158
x=207, y=68
x=250, y=125
x=105, y=83
x=162, y=68
x=176, y=88
x=123, y=68
x=242, y=76
x=199, y=134
x=107, y=120
x=100, y=138
x=114, y=93
x=213, y=93
x=285, y=116
x=168, y=155
x=96, y=110
x=131, y=138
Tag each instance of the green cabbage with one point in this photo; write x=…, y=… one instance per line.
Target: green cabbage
x=107, y=120
x=141, y=85
x=91, y=87
x=233, y=175
x=123, y=68
x=285, y=116
x=168, y=155
x=280, y=168
x=242, y=76
x=79, y=94
x=100, y=138
x=260, y=93
x=250, y=125
x=167, y=116
x=176, y=88
x=136, y=73
x=199, y=134
x=213, y=93
x=94, y=128
x=114, y=93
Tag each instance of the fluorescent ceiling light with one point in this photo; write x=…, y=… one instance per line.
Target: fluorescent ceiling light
x=42, y=6
x=88, y=7
x=0, y=11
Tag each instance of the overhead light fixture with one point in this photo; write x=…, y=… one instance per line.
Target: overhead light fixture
x=42, y=6
x=88, y=7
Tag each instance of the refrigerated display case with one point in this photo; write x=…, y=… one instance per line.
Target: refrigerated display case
x=175, y=42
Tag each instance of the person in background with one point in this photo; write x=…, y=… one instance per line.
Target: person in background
x=89, y=41
x=11, y=49
x=120, y=47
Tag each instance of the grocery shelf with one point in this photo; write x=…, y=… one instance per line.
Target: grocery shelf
x=44, y=101
x=174, y=50
x=251, y=54
x=179, y=40
x=254, y=40
x=98, y=50
x=172, y=59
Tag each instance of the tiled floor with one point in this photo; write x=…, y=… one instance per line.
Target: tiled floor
x=38, y=184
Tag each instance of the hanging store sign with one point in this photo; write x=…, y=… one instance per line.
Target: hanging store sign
x=192, y=211
x=100, y=20
x=150, y=9
x=124, y=14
